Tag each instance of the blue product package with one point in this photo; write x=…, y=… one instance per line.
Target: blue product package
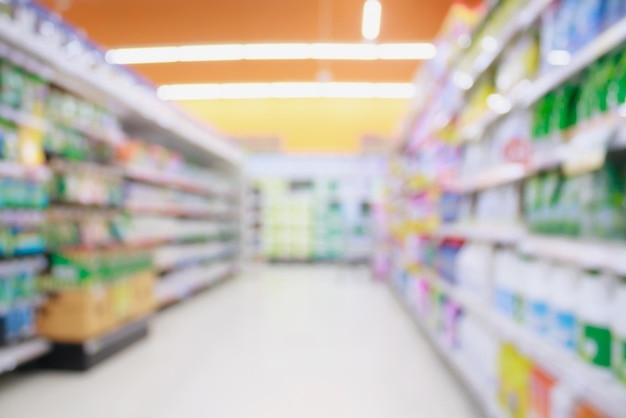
x=449, y=207
x=5, y=294
x=564, y=330
x=588, y=21
x=538, y=317
x=28, y=322
x=614, y=10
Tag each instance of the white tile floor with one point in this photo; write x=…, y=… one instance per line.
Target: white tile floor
x=280, y=342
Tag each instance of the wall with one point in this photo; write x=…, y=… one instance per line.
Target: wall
x=305, y=125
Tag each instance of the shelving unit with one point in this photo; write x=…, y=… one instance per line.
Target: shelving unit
x=600, y=389
x=92, y=220
x=471, y=186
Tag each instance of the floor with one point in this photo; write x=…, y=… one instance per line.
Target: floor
x=279, y=342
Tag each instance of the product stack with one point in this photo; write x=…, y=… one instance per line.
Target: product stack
x=330, y=222
x=187, y=213
x=288, y=218
x=252, y=239
x=93, y=224
x=302, y=220
x=507, y=203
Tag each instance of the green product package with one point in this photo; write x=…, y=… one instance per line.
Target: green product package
x=531, y=202
x=604, y=78
x=619, y=76
x=544, y=116
x=619, y=358
x=547, y=193
x=596, y=345
x=583, y=106
x=607, y=214
x=564, y=116
x=70, y=271
x=12, y=84
x=9, y=146
x=569, y=209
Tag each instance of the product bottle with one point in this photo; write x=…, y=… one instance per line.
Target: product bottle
x=563, y=306
x=504, y=267
x=538, y=284
x=618, y=328
x=562, y=402
x=518, y=283
x=594, y=313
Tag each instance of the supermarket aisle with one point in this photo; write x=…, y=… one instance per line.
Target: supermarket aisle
x=284, y=342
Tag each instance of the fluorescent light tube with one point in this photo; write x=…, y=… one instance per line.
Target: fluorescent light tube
x=147, y=55
x=287, y=51
x=286, y=90
x=406, y=51
x=344, y=52
x=372, y=11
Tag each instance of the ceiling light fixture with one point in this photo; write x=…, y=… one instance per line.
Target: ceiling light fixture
x=372, y=11
x=286, y=90
x=279, y=51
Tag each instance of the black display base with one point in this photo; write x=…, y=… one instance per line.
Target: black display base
x=83, y=356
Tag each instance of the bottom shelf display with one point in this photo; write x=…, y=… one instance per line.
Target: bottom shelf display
x=457, y=362
x=508, y=369
x=84, y=355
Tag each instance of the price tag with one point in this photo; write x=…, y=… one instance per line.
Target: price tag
x=587, y=151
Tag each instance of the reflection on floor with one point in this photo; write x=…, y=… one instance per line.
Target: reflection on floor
x=279, y=342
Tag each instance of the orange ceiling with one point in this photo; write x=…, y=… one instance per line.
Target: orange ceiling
x=118, y=23
x=316, y=125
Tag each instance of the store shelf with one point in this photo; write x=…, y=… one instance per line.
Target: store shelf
x=172, y=258
x=531, y=92
x=584, y=253
x=496, y=233
x=606, y=42
x=13, y=356
x=602, y=254
x=598, y=388
x=180, y=285
x=106, y=84
x=529, y=14
x=164, y=179
x=66, y=211
x=102, y=170
x=606, y=133
x=23, y=217
x=22, y=119
x=456, y=362
x=180, y=240
x=19, y=171
x=497, y=176
x=107, y=136
x=168, y=209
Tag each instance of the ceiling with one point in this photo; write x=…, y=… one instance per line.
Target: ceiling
x=123, y=23
x=302, y=125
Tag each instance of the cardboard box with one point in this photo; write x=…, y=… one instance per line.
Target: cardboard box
x=75, y=315
x=143, y=286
